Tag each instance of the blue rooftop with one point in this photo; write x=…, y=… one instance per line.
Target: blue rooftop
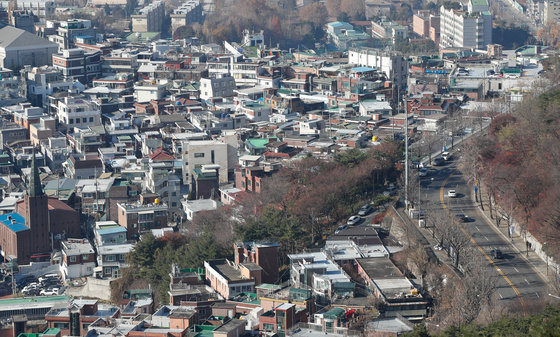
x=111, y=230
x=339, y=24
x=362, y=69
x=17, y=225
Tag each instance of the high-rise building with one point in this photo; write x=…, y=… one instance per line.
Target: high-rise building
x=466, y=29
x=149, y=18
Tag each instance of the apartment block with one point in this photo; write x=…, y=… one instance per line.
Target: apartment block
x=188, y=13
x=77, y=64
x=149, y=18
x=466, y=29
x=78, y=258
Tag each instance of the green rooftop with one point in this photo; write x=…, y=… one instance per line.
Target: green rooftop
x=334, y=313
x=37, y=299
x=257, y=142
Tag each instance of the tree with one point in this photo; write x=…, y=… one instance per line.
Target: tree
x=315, y=13
x=354, y=8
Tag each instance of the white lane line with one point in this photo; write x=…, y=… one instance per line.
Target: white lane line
x=537, y=295
x=516, y=269
x=527, y=281
x=501, y=297
x=486, y=238
x=478, y=229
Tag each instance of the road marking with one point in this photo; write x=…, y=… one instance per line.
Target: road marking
x=486, y=238
x=501, y=297
x=516, y=269
x=478, y=229
x=444, y=206
x=527, y=281
x=537, y=295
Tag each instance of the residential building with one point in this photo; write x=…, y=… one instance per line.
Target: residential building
x=264, y=254
x=344, y=36
x=393, y=65
x=19, y=48
x=78, y=64
x=80, y=168
x=139, y=218
x=217, y=87
x=41, y=82
x=208, y=152
x=427, y=25
x=109, y=233
x=74, y=318
x=319, y=272
x=69, y=30
x=466, y=29
x=550, y=11
x=162, y=180
x=111, y=258
x=191, y=207
x=78, y=258
x=386, y=29
x=77, y=112
x=230, y=279
x=146, y=92
x=186, y=14
x=11, y=132
x=149, y=18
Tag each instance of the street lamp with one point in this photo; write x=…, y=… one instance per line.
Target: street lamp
x=557, y=297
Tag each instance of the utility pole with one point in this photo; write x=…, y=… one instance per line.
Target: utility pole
x=405, y=158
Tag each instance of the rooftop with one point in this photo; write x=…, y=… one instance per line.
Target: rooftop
x=13, y=221
x=225, y=268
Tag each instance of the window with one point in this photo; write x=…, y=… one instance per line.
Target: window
x=61, y=325
x=109, y=257
x=91, y=119
x=107, y=270
x=84, y=120
x=212, y=156
x=199, y=155
x=268, y=327
x=77, y=121
x=72, y=258
x=71, y=120
x=85, y=257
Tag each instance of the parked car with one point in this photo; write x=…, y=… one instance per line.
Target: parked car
x=50, y=292
x=423, y=172
x=365, y=210
x=438, y=161
x=461, y=217
x=497, y=254
x=391, y=190
x=341, y=228
x=451, y=193
x=446, y=156
x=354, y=220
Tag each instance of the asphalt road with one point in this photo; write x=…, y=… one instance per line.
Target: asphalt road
x=517, y=282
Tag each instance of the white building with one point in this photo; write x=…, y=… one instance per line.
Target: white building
x=78, y=258
x=206, y=152
x=111, y=258
x=217, y=87
x=191, y=207
x=550, y=11
x=147, y=92
x=391, y=64
x=78, y=112
x=466, y=29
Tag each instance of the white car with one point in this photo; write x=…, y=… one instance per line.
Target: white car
x=353, y=220
x=49, y=292
x=446, y=156
x=451, y=193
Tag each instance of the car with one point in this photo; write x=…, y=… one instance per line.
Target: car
x=50, y=292
x=461, y=217
x=446, y=156
x=438, y=161
x=341, y=228
x=365, y=210
x=452, y=194
x=391, y=190
x=497, y=254
x=423, y=172
x=354, y=220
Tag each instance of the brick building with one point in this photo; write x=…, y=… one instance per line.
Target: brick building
x=263, y=254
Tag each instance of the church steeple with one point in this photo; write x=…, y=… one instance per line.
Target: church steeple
x=35, y=188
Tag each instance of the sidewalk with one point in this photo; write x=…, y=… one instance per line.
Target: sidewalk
x=517, y=241
x=425, y=237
